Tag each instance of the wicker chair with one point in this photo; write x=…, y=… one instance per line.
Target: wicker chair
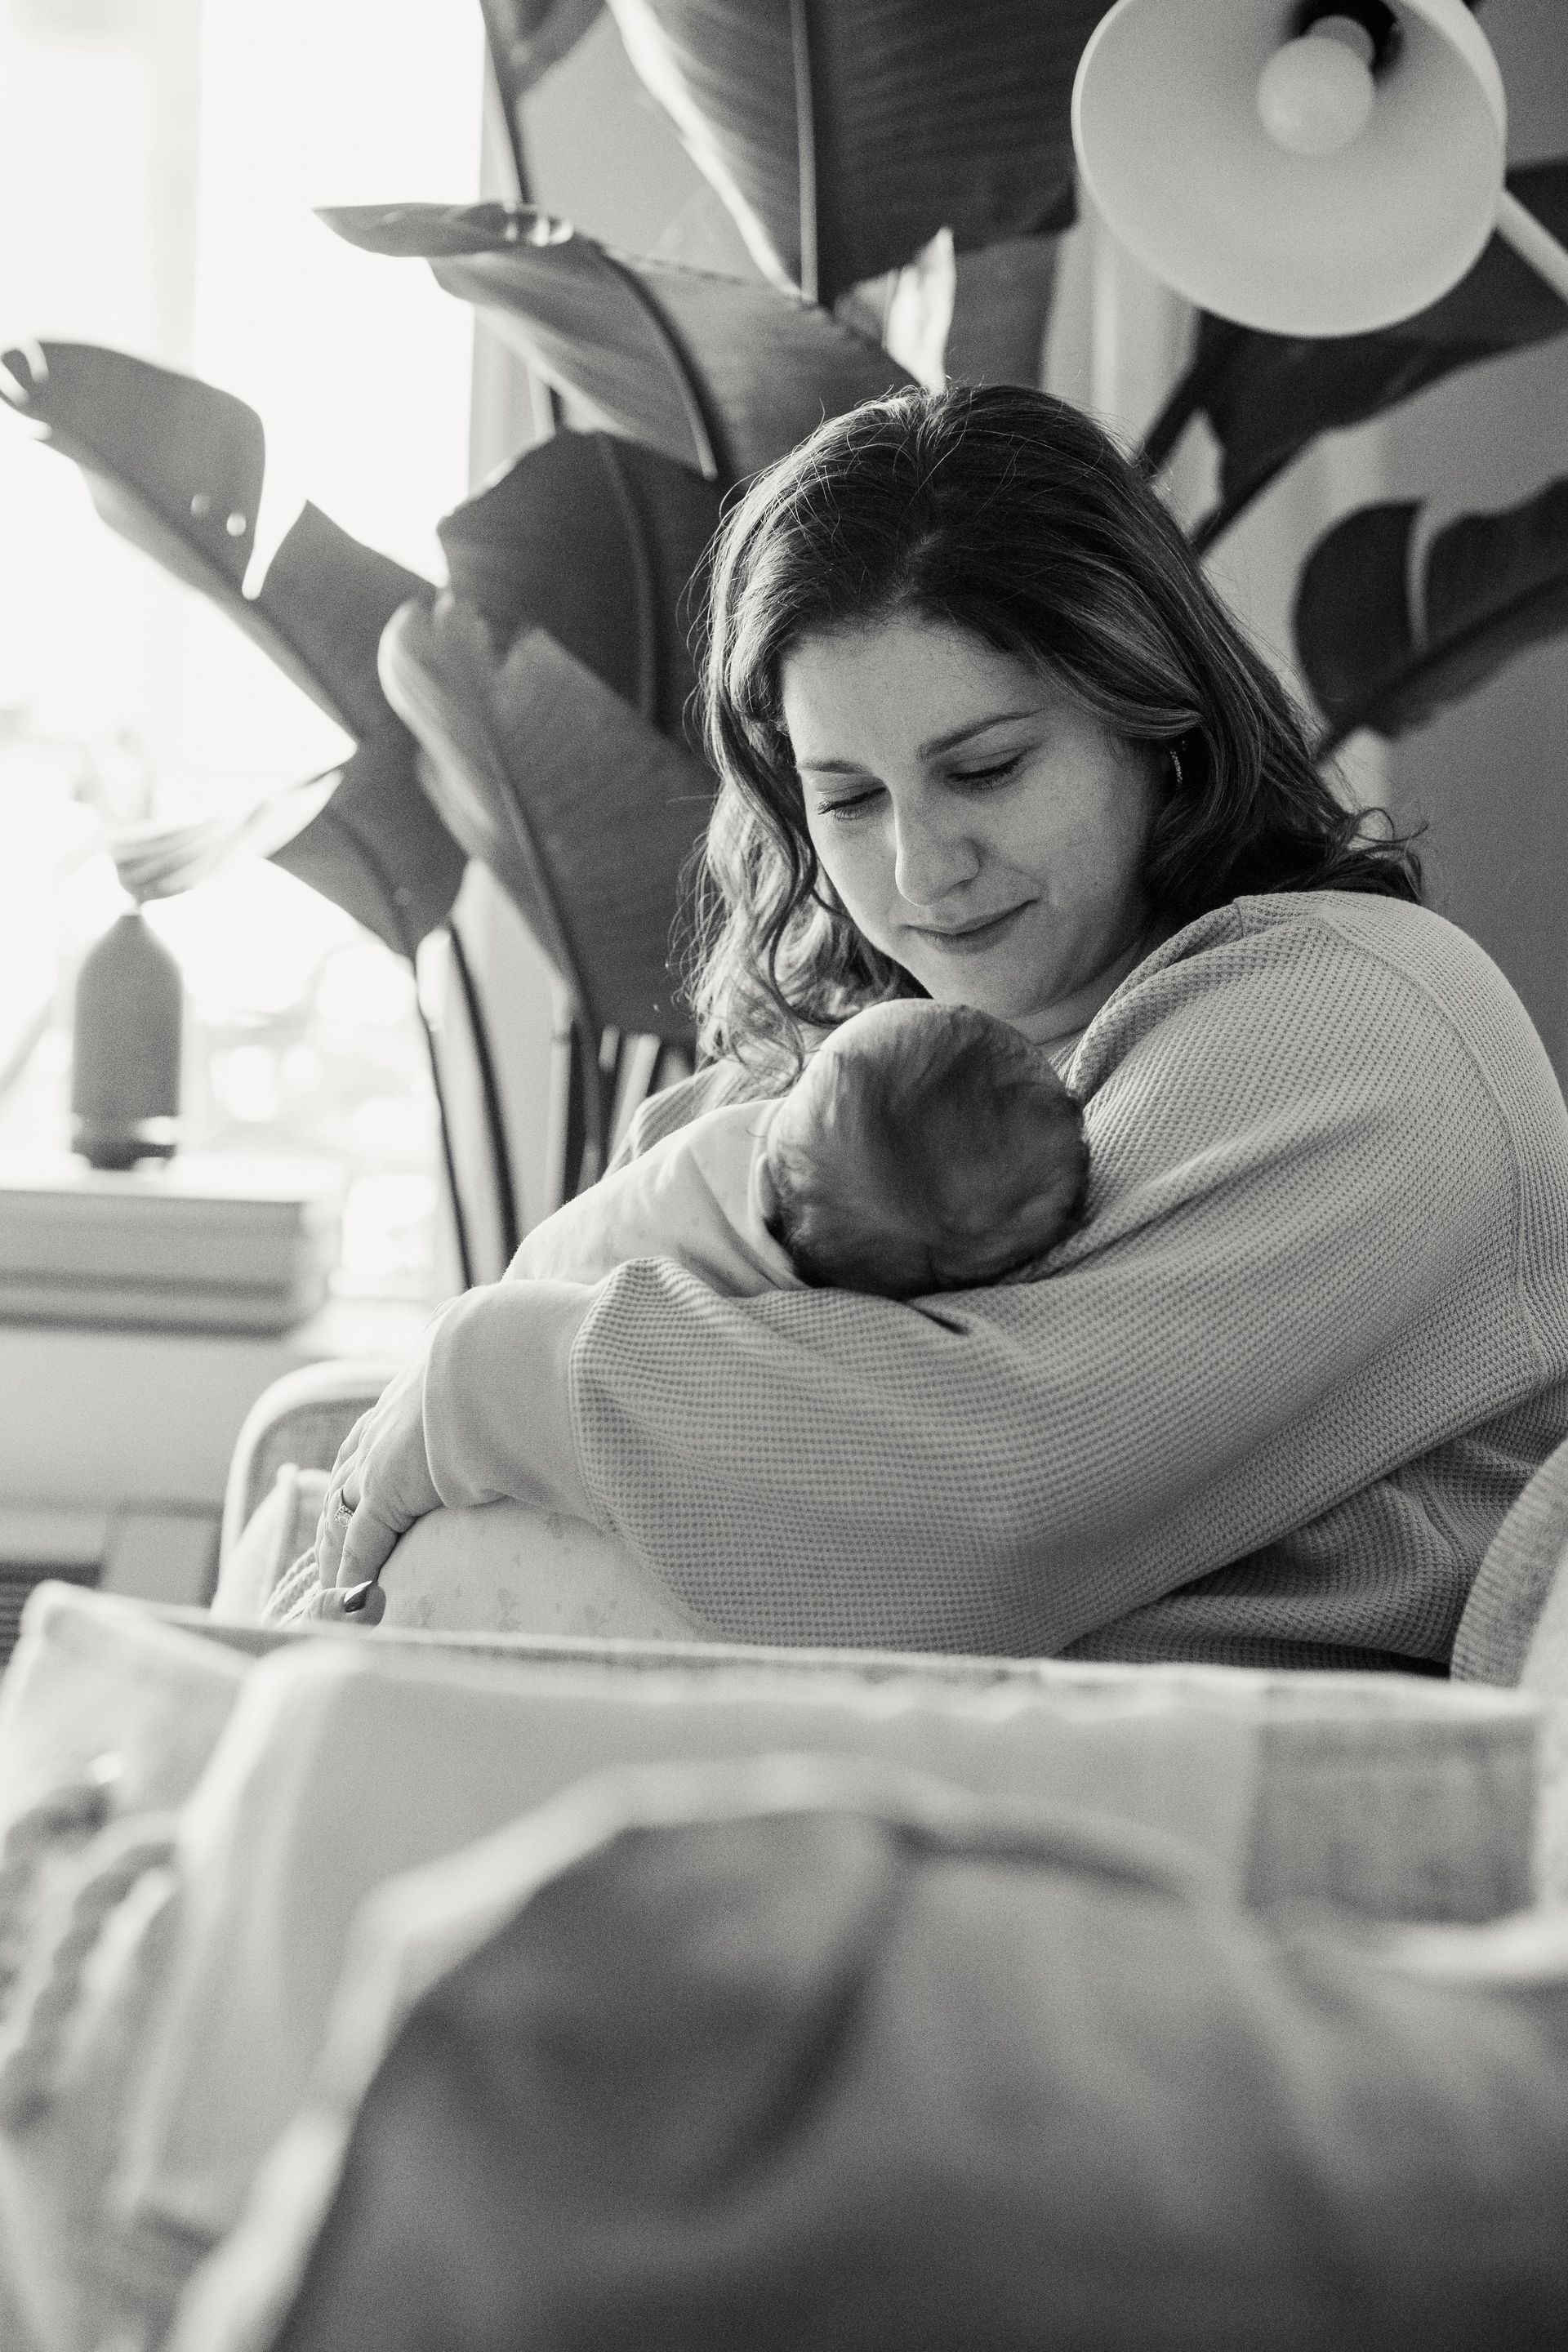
x=1515, y=1625
x=289, y=1441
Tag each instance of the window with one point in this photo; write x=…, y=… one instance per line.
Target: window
x=159, y=164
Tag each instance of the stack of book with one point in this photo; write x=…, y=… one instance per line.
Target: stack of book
x=195, y=1243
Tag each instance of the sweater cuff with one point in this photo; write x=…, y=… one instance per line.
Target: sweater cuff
x=496, y=1402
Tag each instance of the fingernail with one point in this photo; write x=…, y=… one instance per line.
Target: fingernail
x=366, y=1601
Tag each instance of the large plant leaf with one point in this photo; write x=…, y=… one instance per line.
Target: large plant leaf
x=525, y=38
x=159, y=861
x=1001, y=311
x=328, y=597
x=720, y=375
x=584, y=810
x=177, y=467
x=596, y=539
x=1267, y=396
x=844, y=134
x=528, y=36
x=1490, y=586
x=978, y=317
x=379, y=849
x=172, y=465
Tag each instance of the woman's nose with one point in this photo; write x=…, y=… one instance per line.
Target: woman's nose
x=931, y=857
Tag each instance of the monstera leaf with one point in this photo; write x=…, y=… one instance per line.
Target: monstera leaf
x=177, y=467
x=844, y=134
x=1266, y=396
x=1490, y=586
x=596, y=539
x=719, y=374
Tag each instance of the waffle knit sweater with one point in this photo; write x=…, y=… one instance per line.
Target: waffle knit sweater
x=1268, y=1406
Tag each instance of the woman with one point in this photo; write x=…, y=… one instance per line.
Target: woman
x=983, y=731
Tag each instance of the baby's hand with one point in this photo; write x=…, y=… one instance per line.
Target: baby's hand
x=379, y=1484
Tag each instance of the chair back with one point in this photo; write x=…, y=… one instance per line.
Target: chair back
x=1514, y=1628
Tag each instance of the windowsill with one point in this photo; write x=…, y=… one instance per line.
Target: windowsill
x=105, y=1421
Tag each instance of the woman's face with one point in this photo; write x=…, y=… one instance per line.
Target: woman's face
x=981, y=829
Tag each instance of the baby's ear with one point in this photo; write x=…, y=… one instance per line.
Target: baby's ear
x=764, y=1192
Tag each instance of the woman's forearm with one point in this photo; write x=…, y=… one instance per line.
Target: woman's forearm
x=498, y=1409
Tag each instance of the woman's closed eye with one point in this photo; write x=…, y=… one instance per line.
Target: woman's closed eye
x=997, y=772
x=850, y=805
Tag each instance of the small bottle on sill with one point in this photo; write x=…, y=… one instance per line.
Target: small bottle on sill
x=125, y=1053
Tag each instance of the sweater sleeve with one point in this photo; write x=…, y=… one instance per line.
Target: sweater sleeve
x=1300, y=1268
x=497, y=1397
x=690, y=1195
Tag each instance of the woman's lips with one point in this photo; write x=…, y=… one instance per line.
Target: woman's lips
x=971, y=938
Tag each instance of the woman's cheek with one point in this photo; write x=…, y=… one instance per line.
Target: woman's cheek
x=836, y=854
x=868, y=899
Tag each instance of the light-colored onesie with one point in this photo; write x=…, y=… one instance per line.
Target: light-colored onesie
x=693, y=1197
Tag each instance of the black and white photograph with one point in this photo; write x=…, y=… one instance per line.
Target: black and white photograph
x=784, y=1176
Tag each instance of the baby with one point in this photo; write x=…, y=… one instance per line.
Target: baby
x=924, y=1148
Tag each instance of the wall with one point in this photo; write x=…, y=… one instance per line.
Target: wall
x=1488, y=778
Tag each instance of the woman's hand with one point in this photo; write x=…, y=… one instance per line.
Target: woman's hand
x=379, y=1484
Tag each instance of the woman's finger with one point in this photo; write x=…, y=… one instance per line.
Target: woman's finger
x=330, y=1530
x=349, y=1448
x=367, y=1546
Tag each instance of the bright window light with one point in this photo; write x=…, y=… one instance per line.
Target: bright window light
x=160, y=165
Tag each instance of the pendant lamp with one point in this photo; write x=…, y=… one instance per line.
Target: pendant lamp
x=1309, y=170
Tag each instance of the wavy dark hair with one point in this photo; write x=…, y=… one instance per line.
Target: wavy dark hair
x=1010, y=514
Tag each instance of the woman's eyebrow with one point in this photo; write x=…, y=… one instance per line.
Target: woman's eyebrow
x=935, y=743
x=926, y=750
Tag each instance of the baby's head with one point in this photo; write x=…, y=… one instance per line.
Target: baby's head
x=925, y=1147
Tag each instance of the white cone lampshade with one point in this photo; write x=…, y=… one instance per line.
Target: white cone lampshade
x=1299, y=192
